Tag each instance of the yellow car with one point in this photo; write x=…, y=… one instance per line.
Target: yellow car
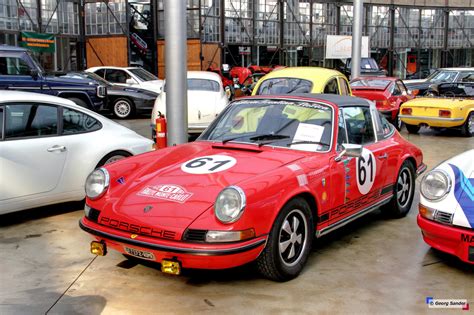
x=295, y=80
x=454, y=108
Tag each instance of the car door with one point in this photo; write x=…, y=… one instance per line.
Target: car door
x=32, y=155
x=15, y=73
x=356, y=182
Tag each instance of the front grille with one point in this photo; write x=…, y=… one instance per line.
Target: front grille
x=101, y=91
x=94, y=215
x=443, y=217
x=195, y=235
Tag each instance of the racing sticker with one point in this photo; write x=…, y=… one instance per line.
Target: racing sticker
x=208, y=164
x=365, y=171
x=166, y=192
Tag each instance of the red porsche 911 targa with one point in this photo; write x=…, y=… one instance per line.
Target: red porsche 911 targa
x=266, y=177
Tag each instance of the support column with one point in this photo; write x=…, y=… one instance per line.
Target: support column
x=445, y=55
x=154, y=22
x=357, y=38
x=392, y=40
x=223, y=43
x=175, y=70
x=282, y=31
x=81, y=44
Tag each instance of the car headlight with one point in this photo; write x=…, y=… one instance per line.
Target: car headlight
x=230, y=204
x=435, y=185
x=97, y=183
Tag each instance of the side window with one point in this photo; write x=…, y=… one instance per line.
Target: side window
x=116, y=76
x=401, y=87
x=359, y=125
x=13, y=65
x=30, y=120
x=396, y=90
x=344, y=87
x=466, y=77
x=77, y=122
x=342, y=132
x=331, y=87
x=387, y=128
x=100, y=73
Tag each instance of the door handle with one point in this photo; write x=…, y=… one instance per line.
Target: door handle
x=59, y=148
x=383, y=156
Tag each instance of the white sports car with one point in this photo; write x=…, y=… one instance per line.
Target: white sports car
x=206, y=99
x=129, y=77
x=446, y=207
x=48, y=146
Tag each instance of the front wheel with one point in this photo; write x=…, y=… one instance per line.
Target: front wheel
x=412, y=128
x=403, y=192
x=113, y=157
x=123, y=108
x=289, y=242
x=468, y=127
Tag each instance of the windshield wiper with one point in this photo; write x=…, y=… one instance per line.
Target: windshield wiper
x=268, y=138
x=307, y=142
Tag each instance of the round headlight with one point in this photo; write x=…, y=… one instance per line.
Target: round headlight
x=97, y=183
x=230, y=204
x=435, y=185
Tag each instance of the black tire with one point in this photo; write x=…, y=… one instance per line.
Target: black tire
x=412, y=128
x=79, y=102
x=123, y=108
x=112, y=157
x=468, y=127
x=403, y=192
x=288, y=248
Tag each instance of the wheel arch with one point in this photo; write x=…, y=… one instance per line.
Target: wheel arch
x=80, y=95
x=117, y=151
x=306, y=196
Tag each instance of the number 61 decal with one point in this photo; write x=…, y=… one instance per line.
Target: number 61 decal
x=208, y=164
x=365, y=172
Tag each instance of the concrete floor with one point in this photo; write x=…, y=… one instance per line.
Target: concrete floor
x=374, y=265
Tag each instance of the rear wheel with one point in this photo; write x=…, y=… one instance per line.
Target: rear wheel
x=403, y=192
x=113, y=157
x=412, y=128
x=79, y=102
x=289, y=242
x=123, y=108
x=468, y=127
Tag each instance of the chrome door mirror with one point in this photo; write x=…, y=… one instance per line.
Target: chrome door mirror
x=130, y=81
x=350, y=150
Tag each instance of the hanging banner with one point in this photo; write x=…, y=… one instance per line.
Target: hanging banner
x=340, y=47
x=38, y=42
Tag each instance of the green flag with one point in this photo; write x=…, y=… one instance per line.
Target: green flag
x=38, y=42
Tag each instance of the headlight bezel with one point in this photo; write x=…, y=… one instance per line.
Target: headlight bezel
x=105, y=186
x=243, y=203
x=448, y=182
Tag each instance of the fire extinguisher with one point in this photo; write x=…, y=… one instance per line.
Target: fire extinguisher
x=160, y=132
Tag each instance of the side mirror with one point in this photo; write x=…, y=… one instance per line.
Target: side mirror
x=34, y=73
x=415, y=92
x=350, y=150
x=130, y=81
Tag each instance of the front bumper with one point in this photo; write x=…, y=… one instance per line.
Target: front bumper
x=432, y=121
x=453, y=240
x=190, y=255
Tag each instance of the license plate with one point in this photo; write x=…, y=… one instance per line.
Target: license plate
x=139, y=253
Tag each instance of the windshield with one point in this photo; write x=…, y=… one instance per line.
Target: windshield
x=442, y=76
x=143, y=75
x=366, y=64
x=284, y=86
x=86, y=75
x=36, y=62
x=377, y=83
x=296, y=125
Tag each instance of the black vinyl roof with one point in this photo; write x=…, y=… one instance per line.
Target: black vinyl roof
x=339, y=100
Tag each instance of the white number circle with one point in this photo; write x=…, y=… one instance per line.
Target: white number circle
x=365, y=171
x=208, y=164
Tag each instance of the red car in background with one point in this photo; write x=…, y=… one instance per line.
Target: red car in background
x=388, y=94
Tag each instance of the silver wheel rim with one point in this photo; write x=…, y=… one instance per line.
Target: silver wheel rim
x=404, y=184
x=470, y=124
x=122, y=109
x=114, y=159
x=293, y=237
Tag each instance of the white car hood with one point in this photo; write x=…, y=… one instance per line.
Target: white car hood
x=460, y=200
x=196, y=100
x=154, y=86
x=414, y=81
